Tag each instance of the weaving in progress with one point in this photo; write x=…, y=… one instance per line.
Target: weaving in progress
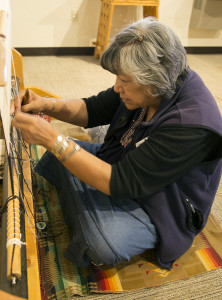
x=17, y=216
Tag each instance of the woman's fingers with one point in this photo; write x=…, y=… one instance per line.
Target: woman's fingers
x=12, y=107
x=21, y=120
x=16, y=103
x=26, y=101
x=35, y=130
x=30, y=126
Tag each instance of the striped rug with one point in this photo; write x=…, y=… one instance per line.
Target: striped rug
x=60, y=279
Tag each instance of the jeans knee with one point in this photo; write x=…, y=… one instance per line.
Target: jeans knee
x=102, y=252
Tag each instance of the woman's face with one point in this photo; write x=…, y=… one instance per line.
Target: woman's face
x=134, y=95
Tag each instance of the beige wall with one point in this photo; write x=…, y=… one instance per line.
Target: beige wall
x=48, y=23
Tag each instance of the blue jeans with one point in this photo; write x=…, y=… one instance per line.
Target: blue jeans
x=106, y=230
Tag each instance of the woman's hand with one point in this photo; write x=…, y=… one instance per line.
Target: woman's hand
x=28, y=101
x=87, y=167
x=35, y=130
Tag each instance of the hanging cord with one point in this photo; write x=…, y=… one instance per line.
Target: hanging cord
x=5, y=205
x=15, y=166
x=14, y=240
x=16, y=159
x=40, y=233
x=18, y=169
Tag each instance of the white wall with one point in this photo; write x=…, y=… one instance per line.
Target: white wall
x=177, y=14
x=48, y=23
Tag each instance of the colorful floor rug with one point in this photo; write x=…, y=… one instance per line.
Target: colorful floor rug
x=60, y=279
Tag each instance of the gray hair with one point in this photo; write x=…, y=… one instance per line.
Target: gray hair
x=150, y=53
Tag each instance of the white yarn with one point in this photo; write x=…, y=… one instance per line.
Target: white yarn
x=14, y=241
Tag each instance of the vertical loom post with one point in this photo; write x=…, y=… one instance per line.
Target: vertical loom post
x=13, y=233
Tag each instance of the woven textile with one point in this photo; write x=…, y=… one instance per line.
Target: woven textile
x=60, y=279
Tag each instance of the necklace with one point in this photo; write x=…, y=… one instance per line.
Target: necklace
x=126, y=139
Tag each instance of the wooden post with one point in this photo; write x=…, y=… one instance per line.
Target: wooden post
x=151, y=11
x=150, y=8
x=13, y=232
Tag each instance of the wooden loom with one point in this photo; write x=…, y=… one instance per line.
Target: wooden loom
x=19, y=270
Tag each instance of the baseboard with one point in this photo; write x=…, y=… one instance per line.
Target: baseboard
x=203, y=50
x=57, y=51
x=89, y=51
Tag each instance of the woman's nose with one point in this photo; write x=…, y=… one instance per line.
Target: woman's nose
x=118, y=86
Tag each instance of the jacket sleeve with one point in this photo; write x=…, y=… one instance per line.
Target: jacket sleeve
x=102, y=107
x=168, y=154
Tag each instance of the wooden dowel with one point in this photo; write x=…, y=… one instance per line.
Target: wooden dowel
x=13, y=232
x=34, y=290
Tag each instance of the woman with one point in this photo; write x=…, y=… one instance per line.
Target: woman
x=153, y=180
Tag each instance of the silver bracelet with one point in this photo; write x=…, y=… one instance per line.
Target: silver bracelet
x=59, y=140
x=63, y=146
x=54, y=104
x=76, y=148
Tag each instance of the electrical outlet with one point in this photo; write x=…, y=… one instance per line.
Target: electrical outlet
x=74, y=15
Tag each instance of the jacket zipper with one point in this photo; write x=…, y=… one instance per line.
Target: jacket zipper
x=191, y=206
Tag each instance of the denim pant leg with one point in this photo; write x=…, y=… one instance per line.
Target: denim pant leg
x=105, y=229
